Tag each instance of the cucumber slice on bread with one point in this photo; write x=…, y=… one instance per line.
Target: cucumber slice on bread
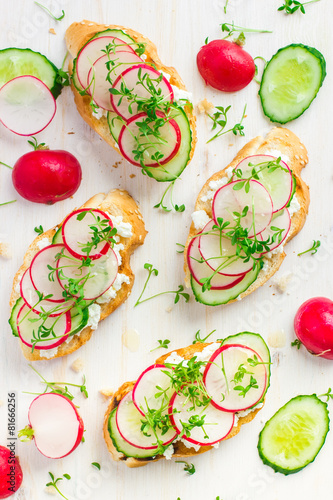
x=293, y=437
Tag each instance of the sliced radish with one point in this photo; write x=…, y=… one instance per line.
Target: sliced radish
x=220, y=382
x=220, y=254
x=99, y=88
x=168, y=143
x=96, y=279
x=217, y=424
x=57, y=426
x=130, y=78
x=278, y=182
x=26, y=105
x=42, y=277
x=200, y=270
x=28, y=323
x=152, y=381
x=77, y=233
x=282, y=221
x=30, y=297
x=129, y=423
x=93, y=51
x=228, y=199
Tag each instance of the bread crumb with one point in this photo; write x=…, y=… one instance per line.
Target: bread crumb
x=277, y=339
x=281, y=283
x=106, y=393
x=1, y=402
x=70, y=133
x=132, y=176
x=116, y=164
x=50, y=490
x=5, y=250
x=205, y=106
x=77, y=365
x=51, y=30
x=169, y=309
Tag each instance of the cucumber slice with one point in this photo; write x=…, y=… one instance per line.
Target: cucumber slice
x=257, y=343
x=79, y=319
x=13, y=317
x=172, y=170
x=218, y=297
x=118, y=34
x=123, y=446
x=17, y=62
x=293, y=437
x=115, y=123
x=75, y=79
x=293, y=191
x=57, y=238
x=291, y=81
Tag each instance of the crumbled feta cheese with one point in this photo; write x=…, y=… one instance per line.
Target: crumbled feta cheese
x=43, y=243
x=207, y=352
x=196, y=447
x=214, y=186
x=216, y=445
x=205, y=106
x=235, y=420
x=200, y=219
x=48, y=353
x=229, y=172
x=77, y=365
x=281, y=283
x=112, y=291
x=169, y=452
x=117, y=248
x=99, y=112
x=244, y=413
x=124, y=229
x=174, y=359
x=265, y=266
x=276, y=251
x=180, y=94
x=294, y=205
x=17, y=286
x=94, y=316
x=277, y=154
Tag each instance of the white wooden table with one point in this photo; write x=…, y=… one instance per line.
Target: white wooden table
x=234, y=471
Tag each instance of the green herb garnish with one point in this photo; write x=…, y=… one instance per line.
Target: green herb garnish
x=198, y=339
x=39, y=229
x=175, y=207
x=292, y=6
x=220, y=119
x=50, y=13
x=189, y=468
x=313, y=249
x=54, y=482
x=296, y=343
x=162, y=343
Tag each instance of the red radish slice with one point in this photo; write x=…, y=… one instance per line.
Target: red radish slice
x=77, y=233
x=99, y=88
x=30, y=297
x=200, y=270
x=26, y=105
x=168, y=144
x=217, y=424
x=228, y=199
x=93, y=51
x=27, y=330
x=130, y=78
x=129, y=423
x=220, y=378
x=96, y=278
x=57, y=425
x=279, y=182
x=281, y=221
x=40, y=273
x=145, y=389
x=221, y=254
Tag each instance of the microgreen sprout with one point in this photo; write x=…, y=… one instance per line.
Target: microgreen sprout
x=242, y=391
x=5, y=164
x=63, y=76
x=291, y=6
x=25, y=434
x=313, y=249
x=50, y=13
x=225, y=6
x=220, y=119
x=97, y=465
x=181, y=248
x=189, y=468
x=257, y=70
x=231, y=28
x=7, y=203
x=39, y=230
x=53, y=482
x=296, y=343
x=328, y=395
x=175, y=207
x=162, y=343
x=101, y=230
x=198, y=339
x=178, y=293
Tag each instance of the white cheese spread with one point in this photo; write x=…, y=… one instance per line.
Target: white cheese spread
x=200, y=219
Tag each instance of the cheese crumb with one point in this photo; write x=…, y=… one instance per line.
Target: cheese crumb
x=77, y=365
x=205, y=106
x=281, y=283
x=169, y=452
x=200, y=219
x=43, y=243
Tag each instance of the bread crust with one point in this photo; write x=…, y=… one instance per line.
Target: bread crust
x=119, y=203
x=180, y=450
x=77, y=35
x=286, y=142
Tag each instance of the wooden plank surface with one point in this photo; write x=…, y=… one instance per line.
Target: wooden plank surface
x=179, y=28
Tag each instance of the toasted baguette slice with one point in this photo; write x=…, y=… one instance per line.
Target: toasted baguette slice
x=286, y=143
x=118, y=203
x=77, y=35
x=180, y=450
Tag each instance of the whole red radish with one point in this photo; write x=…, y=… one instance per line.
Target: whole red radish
x=314, y=326
x=55, y=425
x=225, y=65
x=10, y=472
x=45, y=176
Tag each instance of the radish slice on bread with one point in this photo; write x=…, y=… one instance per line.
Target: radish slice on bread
x=41, y=275
x=57, y=425
x=235, y=378
x=152, y=381
x=27, y=105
